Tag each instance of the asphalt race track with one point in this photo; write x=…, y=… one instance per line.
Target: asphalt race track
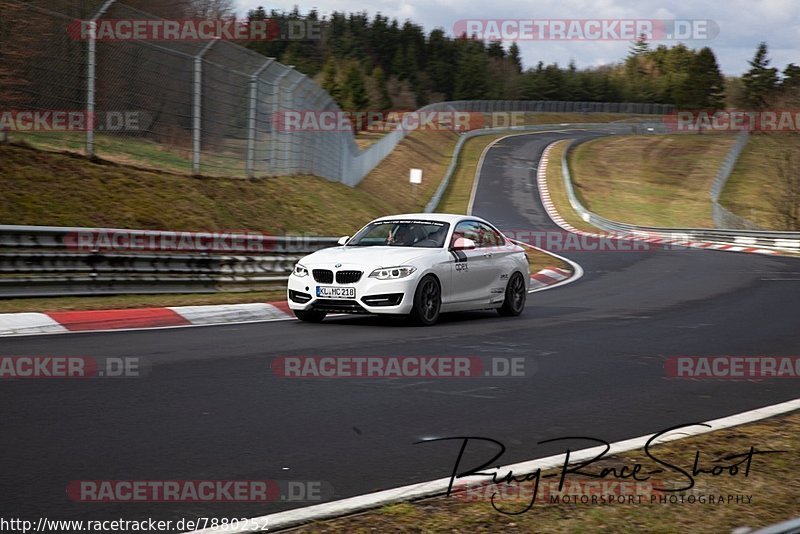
x=211, y=408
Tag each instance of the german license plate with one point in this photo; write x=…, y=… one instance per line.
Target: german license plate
x=332, y=292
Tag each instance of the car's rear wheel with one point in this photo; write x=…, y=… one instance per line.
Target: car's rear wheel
x=516, y=295
x=427, y=301
x=310, y=316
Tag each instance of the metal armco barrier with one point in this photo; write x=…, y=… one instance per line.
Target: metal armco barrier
x=38, y=261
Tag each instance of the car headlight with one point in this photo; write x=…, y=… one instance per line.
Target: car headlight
x=300, y=271
x=392, y=273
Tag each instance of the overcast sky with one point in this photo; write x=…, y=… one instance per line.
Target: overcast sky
x=742, y=23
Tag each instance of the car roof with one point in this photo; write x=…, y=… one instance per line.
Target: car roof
x=438, y=217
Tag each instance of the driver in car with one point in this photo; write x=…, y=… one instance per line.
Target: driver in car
x=403, y=235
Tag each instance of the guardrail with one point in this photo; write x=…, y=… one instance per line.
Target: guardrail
x=40, y=261
x=786, y=241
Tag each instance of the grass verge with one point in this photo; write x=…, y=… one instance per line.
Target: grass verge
x=661, y=180
x=43, y=188
x=64, y=189
x=772, y=484
x=558, y=191
x=753, y=188
x=430, y=151
x=456, y=196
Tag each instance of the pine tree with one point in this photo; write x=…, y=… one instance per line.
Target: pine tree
x=384, y=100
x=354, y=92
x=761, y=80
x=639, y=47
x=513, y=55
x=329, y=80
x=703, y=85
x=472, y=79
x=791, y=76
x=634, y=70
x=495, y=49
x=400, y=65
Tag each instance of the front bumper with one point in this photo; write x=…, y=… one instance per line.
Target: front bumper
x=394, y=297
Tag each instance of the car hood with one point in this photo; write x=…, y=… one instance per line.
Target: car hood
x=367, y=256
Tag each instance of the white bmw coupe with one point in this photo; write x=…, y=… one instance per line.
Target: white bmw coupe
x=419, y=264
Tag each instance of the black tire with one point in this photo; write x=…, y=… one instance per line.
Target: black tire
x=427, y=301
x=516, y=295
x=310, y=316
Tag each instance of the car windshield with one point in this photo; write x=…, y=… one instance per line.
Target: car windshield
x=401, y=233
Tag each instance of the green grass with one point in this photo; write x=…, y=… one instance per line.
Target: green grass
x=43, y=188
x=659, y=180
x=430, y=151
x=558, y=191
x=772, y=482
x=558, y=118
x=142, y=152
x=752, y=188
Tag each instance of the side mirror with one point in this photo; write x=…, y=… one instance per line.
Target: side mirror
x=343, y=240
x=463, y=243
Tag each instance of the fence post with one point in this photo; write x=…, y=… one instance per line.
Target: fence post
x=286, y=146
x=276, y=96
x=91, y=58
x=196, y=106
x=251, y=125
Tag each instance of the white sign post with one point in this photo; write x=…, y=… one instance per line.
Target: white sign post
x=415, y=176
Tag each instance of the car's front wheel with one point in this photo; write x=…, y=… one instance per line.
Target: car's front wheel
x=514, y=302
x=310, y=316
x=427, y=301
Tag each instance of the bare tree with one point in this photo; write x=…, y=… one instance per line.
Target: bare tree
x=19, y=30
x=213, y=9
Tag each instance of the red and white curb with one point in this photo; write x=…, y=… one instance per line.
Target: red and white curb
x=549, y=277
x=64, y=322
x=679, y=240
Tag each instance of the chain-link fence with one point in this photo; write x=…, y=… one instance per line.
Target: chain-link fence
x=192, y=106
x=207, y=107
x=723, y=217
